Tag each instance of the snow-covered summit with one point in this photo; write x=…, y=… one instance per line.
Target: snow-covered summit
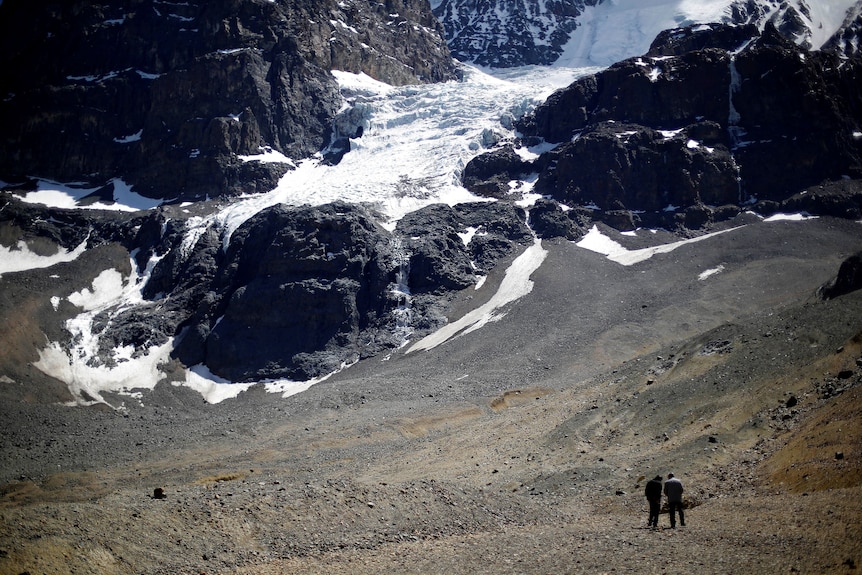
x=502, y=33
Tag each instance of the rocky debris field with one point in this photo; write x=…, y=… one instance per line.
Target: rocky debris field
x=521, y=449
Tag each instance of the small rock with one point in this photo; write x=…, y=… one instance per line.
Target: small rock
x=792, y=401
x=159, y=493
x=839, y=455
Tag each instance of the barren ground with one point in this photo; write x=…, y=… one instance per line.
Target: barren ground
x=522, y=448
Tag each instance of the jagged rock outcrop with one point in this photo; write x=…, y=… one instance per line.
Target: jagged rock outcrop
x=800, y=21
x=848, y=39
x=294, y=292
x=301, y=291
x=681, y=138
x=506, y=33
x=194, y=86
x=849, y=278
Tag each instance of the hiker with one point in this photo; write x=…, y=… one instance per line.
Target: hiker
x=653, y=495
x=673, y=490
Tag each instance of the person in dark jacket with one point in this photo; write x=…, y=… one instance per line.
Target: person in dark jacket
x=653, y=495
x=673, y=490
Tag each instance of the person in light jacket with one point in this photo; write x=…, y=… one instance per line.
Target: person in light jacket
x=673, y=490
x=653, y=495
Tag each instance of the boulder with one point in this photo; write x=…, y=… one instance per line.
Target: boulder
x=849, y=278
x=488, y=175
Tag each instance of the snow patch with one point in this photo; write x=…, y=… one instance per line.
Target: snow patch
x=69, y=196
x=710, y=272
x=20, y=258
x=598, y=242
x=789, y=217
x=106, y=288
x=515, y=285
x=267, y=156
x=136, y=137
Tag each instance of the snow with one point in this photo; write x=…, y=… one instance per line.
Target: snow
x=268, y=155
x=106, y=286
x=598, y=242
x=69, y=196
x=826, y=17
x=130, y=138
x=20, y=258
x=788, y=218
x=415, y=142
x=77, y=364
x=86, y=382
x=515, y=285
x=618, y=29
x=710, y=272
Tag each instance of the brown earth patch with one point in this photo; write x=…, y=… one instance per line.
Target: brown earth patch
x=518, y=397
x=824, y=452
x=422, y=426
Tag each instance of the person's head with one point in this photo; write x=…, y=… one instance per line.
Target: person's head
x=657, y=478
x=670, y=475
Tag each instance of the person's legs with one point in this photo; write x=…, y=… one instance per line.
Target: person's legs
x=654, y=509
x=681, y=516
x=671, y=509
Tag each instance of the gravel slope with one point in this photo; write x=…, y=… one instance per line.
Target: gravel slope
x=521, y=449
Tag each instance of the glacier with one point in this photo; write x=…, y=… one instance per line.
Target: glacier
x=415, y=141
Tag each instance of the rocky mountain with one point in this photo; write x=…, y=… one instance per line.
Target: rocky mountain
x=168, y=97
x=711, y=121
x=596, y=32
x=455, y=324
x=504, y=33
x=811, y=25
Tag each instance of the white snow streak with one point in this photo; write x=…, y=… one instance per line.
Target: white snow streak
x=515, y=285
x=598, y=242
x=20, y=258
x=70, y=196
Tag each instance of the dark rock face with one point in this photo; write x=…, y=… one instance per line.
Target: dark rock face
x=661, y=93
x=301, y=291
x=795, y=110
x=848, y=40
x=793, y=20
x=618, y=166
x=849, y=278
x=167, y=95
x=506, y=33
x=297, y=293
x=488, y=175
x=679, y=41
x=295, y=283
x=682, y=138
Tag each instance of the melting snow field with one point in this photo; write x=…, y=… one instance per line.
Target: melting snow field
x=618, y=29
x=596, y=241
